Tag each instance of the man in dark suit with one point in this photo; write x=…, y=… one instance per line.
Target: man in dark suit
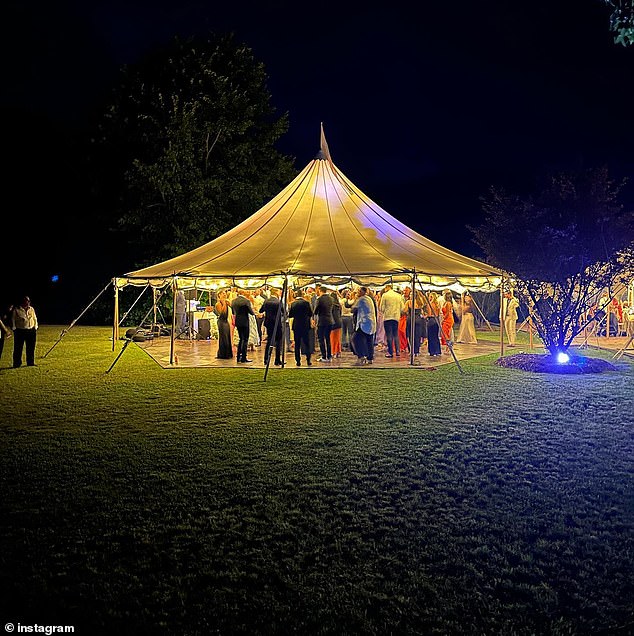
x=325, y=321
x=301, y=313
x=241, y=307
x=270, y=309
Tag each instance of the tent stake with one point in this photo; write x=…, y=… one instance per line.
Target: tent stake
x=502, y=317
x=412, y=316
x=115, y=315
x=480, y=310
x=125, y=346
x=174, y=290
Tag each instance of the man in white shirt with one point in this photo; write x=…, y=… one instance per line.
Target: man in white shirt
x=391, y=307
x=346, y=320
x=24, y=323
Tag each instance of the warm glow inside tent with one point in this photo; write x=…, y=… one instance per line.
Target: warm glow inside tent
x=320, y=228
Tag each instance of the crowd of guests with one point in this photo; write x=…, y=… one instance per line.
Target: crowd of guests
x=322, y=323
x=610, y=316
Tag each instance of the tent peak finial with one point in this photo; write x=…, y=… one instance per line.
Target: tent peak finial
x=324, y=152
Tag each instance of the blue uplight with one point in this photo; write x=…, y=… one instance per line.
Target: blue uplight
x=562, y=357
x=54, y=278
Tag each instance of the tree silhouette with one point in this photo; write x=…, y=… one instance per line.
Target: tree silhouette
x=186, y=146
x=622, y=21
x=563, y=246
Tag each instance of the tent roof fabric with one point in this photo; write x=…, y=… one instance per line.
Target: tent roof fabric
x=320, y=225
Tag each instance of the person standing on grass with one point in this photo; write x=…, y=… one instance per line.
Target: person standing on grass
x=508, y=315
x=24, y=324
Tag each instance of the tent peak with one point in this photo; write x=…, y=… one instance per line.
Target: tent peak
x=324, y=152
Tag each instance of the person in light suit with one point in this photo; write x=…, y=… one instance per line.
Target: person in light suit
x=508, y=315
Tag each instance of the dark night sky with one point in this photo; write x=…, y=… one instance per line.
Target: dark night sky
x=422, y=110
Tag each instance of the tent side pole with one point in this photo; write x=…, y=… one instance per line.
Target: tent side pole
x=174, y=290
x=501, y=317
x=115, y=323
x=412, y=327
x=284, y=309
x=154, y=317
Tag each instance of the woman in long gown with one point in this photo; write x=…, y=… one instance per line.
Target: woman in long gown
x=254, y=336
x=403, y=340
x=433, y=341
x=467, y=333
x=419, y=320
x=446, y=325
x=223, y=311
x=379, y=336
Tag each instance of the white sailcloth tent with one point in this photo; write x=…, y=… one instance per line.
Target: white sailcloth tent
x=320, y=227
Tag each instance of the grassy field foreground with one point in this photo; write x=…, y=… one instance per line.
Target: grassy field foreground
x=364, y=501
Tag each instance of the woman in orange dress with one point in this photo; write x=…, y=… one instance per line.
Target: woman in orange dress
x=447, y=320
x=335, y=333
x=403, y=334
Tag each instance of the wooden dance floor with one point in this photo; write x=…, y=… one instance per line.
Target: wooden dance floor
x=202, y=353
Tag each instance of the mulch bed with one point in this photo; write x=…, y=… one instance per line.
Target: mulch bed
x=545, y=363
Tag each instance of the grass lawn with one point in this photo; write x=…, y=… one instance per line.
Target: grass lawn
x=205, y=501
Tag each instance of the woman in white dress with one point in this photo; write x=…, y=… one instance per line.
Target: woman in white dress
x=254, y=336
x=467, y=333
